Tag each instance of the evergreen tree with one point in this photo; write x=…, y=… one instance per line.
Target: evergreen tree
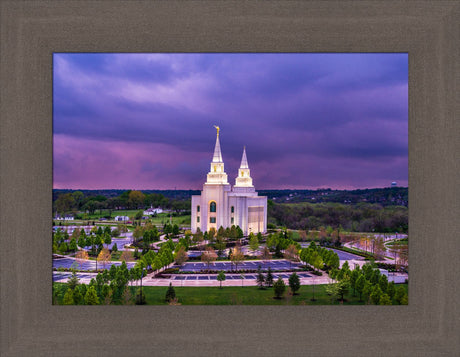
x=68, y=297
x=115, y=247
x=91, y=296
x=376, y=294
x=359, y=285
x=367, y=290
x=400, y=292
x=170, y=293
x=269, y=278
x=383, y=283
x=140, y=297
x=391, y=289
x=294, y=283
x=385, y=299
x=279, y=288
x=260, y=278
x=73, y=281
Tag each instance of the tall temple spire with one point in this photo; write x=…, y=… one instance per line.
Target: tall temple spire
x=217, y=153
x=217, y=173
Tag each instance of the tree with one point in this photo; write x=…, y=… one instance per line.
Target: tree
x=253, y=242
x=211, y=234
x=260, y=278
x=400, y=292
x=355, y=274
x=181, y=255
x=367, y=290
x=220, y=246
x=198, y=237
x=138, y=215
x=265, y=254
x=107, y=238
x=294, y=283
x=376, y=294
x=81, y=257
x=269, y=278
x=279, y=288
x=81, y=241
x=237, y=257
x=135, y=199
x=115, y=247
x=343, y=288
x=221, y=277
x=73, y=281
x=91, y=296
x=170, y=293
x=127, y=256
x=208, y=256
x=78, y=296
x=385, y=300
x=68, y=297
x=291, y=253
x=391, y=289
x=383, y=283
x=359, y=285
x=73, y=245
x=104, y=257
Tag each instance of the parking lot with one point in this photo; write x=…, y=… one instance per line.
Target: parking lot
x=247, y=265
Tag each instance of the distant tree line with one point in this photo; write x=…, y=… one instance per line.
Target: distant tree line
x=362, y=217
x=129, y=199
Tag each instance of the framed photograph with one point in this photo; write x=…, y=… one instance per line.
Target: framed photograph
x=317, y=215
x=33, y=34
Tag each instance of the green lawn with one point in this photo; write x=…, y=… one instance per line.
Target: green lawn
x=250, y=295
x=237, y=295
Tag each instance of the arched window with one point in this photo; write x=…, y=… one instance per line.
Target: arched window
x=212, y=207
x=233, y=209
x=198, y=208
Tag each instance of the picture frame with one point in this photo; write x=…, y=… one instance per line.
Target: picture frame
x=32, y=31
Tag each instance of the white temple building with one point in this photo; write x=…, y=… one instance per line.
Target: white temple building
x=221, y=205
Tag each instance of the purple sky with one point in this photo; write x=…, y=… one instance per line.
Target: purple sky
x=145, y=121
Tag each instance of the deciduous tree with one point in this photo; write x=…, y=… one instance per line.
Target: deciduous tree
x=181, y=255
x=208, y=256
x=237, y=257
x=221, y=277
x=104, y=257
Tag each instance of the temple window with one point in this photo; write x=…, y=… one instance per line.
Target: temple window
x=212, y=207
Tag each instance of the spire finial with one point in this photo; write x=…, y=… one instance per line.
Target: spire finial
x=215, y=126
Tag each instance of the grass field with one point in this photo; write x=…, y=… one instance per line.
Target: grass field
x=248, y=295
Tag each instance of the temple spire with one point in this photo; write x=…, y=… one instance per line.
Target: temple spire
x=217, y=153
x=244, y=160
x=244, y=174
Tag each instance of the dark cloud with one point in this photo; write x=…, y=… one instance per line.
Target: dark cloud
x=344, y=115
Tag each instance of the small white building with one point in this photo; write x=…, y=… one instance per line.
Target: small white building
x=121, y=218
x=221, y=205
x=152, y=211
x=67, y=217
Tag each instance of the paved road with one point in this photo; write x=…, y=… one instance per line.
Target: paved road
x=86, y=265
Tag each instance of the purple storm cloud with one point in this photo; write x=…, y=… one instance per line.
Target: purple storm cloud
x=145, y=121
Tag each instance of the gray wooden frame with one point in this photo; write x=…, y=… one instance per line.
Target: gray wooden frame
x=32, y=30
